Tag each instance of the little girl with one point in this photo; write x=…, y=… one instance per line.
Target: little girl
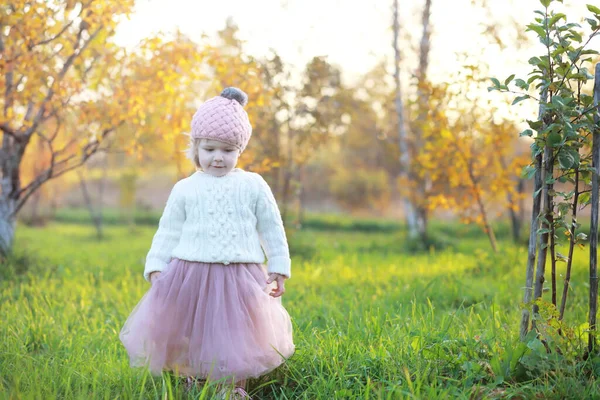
x=209, y=313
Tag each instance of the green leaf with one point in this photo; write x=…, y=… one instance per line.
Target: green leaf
x=554, y=139
x=520, y=83
x=559, y=101
x=509, y=79
x=528, y=172
x=526, y=132
x=546, y=3
x=496, y=82
x=592, y=22
x=535, y=125
x=575, y=35
x=573, y=55
x=568, y=158
x=593, y=9
x=578, y=77
x=545, y=41
x=519, y=99
x=537, y=29
x=586, y=99
x=584, y=198
x=587, y=73
x=534, y=78
x=589, y=51
x=555, y=18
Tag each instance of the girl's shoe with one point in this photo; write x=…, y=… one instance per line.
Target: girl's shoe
x=190, y=383
x=236, y=394
x=240, y=393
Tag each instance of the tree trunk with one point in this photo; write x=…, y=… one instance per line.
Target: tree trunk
x=276, y=152
x=543, y=238
x=532, y=248
x=422, y=221
x=516, y=219
x=594, y=218
x=551, y=234
x=552, y=254
x=287, y=179
x=287, y=173
x=7, y=224
x=424, y=184
x=103, y=182
x=409, y=209
x=521, y=190
x=11, y=155
x=96, y=219
x=301, y=196
x=486, y=224
x=35, y=217
x=515, y=225
x=572, y=239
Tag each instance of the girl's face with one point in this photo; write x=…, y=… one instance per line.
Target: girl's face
x=217, y=158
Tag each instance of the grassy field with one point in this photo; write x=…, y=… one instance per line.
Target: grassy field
x=372, y=320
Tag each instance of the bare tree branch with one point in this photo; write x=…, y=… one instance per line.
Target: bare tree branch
x=4, y=127
x=32, y=187
x=29, y=111
x=89, y=150
x=59, y=34
x=66, y=147
x=67, y=65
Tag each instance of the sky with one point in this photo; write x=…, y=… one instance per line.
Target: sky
x=353, y=34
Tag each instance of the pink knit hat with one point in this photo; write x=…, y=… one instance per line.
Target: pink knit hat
x=223, y=118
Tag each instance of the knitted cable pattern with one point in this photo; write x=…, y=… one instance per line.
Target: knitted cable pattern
x=227, y=219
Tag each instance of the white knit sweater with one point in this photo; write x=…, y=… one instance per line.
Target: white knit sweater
x=221, y=220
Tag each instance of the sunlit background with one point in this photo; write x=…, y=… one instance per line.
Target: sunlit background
x=404, y=175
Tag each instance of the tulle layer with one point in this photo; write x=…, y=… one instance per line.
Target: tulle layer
x=210, y=321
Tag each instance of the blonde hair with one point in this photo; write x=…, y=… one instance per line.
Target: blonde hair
x=192, y=151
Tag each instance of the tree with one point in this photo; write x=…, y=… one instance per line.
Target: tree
x=422, y=102
x=367, y=182
x=48, y=52
x=467, y=159
x=565, y=150
x=405, y=159
x=317, y=116
x=68, y=85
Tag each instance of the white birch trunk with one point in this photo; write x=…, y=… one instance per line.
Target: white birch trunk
x=409, y=208
x=593, y=305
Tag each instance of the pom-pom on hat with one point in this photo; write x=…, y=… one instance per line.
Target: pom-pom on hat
x=223, y=118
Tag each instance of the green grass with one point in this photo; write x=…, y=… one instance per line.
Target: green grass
x=317, y=222
x=372, y=320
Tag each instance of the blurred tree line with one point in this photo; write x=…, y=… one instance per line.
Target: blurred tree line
x=73, y=98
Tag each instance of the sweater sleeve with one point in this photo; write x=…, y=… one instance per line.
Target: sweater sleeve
x=168, y=233
x=271, y=232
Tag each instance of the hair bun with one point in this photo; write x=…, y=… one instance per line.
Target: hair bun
x=236, y=94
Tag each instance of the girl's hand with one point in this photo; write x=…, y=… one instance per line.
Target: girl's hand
x=154, y=276
x=280, y=289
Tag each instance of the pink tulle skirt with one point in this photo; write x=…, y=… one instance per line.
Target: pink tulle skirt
x=210, y=321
